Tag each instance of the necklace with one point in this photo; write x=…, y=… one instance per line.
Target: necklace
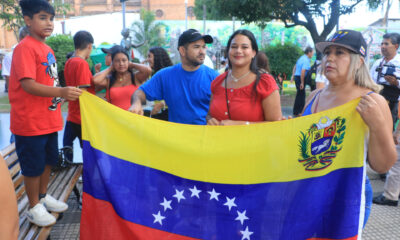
x=121, y=78
x=237, y=79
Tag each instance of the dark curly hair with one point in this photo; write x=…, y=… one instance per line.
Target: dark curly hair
x=161, y=58
x=32, y=7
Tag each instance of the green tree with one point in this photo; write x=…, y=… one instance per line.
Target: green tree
x=11, y=14
x=147, y=31
x=282, y=57
x=290, y=12
x=211, y=12
x=61, y=45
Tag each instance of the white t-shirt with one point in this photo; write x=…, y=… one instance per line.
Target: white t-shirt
x=6, y=64
x=374, y=74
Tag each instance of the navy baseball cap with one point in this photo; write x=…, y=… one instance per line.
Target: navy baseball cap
x=192, y=35
x=349, y=39
x=110, y=50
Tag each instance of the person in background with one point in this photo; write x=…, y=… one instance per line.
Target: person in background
x=35, y=116
x=391, y=189
x=263, y=62
x=223, y=67
x=299, y=73
x=344, y=66
x=6, y=63
x=158, y=59
x=119, y=80
x=108, y=52
x=77, y=73
x=185, y=87
x=244, y=94
x=391, y=86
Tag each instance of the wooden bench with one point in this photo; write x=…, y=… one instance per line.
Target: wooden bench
x=60, y=187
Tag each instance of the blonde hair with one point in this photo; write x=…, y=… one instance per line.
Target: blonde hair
x=359, y=73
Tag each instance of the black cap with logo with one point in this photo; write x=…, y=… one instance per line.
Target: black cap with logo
x=352, y=40
x=192, y=35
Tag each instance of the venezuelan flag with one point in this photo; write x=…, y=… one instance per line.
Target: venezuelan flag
x=295, y=179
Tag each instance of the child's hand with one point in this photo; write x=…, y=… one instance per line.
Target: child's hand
x=70, y=93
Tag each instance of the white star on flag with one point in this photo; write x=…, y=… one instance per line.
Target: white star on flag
x=195, y=192
x=230, y=203
x=166, y=204
x=158, y=218
x=179, y=195
x=246, y=234
x=241, y=216
x=213, y=194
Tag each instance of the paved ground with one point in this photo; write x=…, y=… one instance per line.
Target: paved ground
x=382, y=224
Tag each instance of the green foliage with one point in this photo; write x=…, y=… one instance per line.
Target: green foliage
x=147, y=30
x=290, y=12
x=282, y=58
x=303, y=146
x=211, y=12
x=11, y=14
x=61, y=45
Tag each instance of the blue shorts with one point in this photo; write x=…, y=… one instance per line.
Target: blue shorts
x=34, y=152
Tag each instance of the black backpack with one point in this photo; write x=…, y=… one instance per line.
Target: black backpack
x=309, y=79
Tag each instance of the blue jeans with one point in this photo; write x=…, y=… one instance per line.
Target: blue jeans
x=71, y=131
x=368, y=200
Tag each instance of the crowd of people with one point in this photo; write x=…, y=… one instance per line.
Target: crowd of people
x=189, y=93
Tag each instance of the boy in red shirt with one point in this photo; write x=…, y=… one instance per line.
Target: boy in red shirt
x=35, y=114
x=77, y=73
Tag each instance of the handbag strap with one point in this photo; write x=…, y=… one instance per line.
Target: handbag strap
x=226, y=96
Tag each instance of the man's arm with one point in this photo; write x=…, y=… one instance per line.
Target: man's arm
x=138, y=98
x=293, y=72
x=302, y=76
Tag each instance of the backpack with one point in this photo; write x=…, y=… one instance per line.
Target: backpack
x=309, y=79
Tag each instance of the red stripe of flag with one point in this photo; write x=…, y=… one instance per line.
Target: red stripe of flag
x=99, y=213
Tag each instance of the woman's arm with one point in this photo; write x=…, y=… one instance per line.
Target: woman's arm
x=375, y=112
x=210, y=120
x=100, y=80
x=143, y=71
x=272, y=107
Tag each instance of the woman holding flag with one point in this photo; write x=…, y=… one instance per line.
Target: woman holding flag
x=344, y=66
x=243, y=94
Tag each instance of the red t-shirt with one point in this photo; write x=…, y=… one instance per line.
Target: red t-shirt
x=121, y=96
x=76, y=73
x=30, y=114
x=242, y=104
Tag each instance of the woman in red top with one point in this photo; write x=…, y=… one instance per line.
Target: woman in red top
x=243, y=94
x=119, y=79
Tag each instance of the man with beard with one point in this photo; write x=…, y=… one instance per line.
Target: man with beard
x=185, y=87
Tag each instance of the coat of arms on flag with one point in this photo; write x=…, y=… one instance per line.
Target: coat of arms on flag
x=320, y=144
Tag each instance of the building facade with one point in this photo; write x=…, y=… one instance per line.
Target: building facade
x=164, y=10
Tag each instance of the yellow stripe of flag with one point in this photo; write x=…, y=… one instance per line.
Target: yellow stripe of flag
x=247, y=154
